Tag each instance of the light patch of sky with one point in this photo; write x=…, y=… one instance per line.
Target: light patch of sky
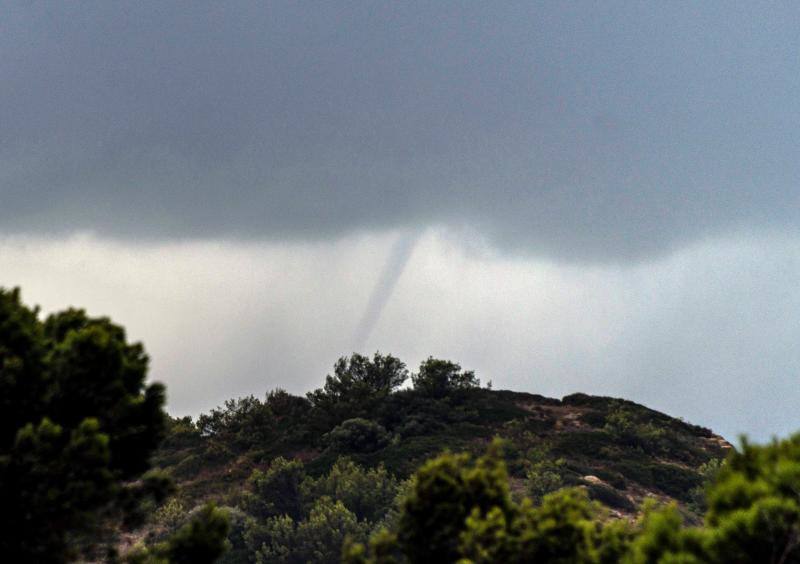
x=709, y=333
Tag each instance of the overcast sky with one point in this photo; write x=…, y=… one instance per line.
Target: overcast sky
x=564, y=197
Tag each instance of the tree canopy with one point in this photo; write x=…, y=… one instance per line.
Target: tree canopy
x=357, y=386
x=460, y=510
x=78, y=426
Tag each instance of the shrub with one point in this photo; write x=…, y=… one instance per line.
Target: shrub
x=368, y=493
x=358, y=436
x=276, y=492
x=438, y=378
x=318, y=539
x=357, y=386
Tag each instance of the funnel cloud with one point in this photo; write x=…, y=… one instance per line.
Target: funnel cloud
x=396, y=263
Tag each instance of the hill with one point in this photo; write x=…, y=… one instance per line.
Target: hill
x=621, y=452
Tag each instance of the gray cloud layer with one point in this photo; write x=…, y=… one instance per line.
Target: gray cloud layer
x=578, y=131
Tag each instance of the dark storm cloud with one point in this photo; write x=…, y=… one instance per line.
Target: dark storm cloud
x=580, y=131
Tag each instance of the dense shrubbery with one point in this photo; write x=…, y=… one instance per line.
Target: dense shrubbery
x=296, y=518
x=359, y=411
x=606, y=446
x=460, y=509
x=356, y=388
x=358, y=436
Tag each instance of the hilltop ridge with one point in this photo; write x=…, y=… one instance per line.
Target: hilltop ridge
x=622, y=452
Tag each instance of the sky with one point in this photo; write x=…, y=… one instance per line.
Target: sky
x=595, y=197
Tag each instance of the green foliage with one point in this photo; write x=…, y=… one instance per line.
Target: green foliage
x=460, y=509
x=276, y=492
x=94, y=372
x=181, y=433
x=382, y=549
x=358, y=435
x=293, y=512
x=248, y=424
x=455, y=506
x=445, y=491
x=754, y=504
x=244, y=421
x=368, y=493
x=663, y=539
x=549, y=447
x=438, y=378
x=673, y=480
x=201, y=541
x=544, y=473
x=78, y=426
x=563, y=529
x=560, y=530
x=24, y=386
x=170, y=515
x=318, y=539
x=753, y=513
x=53, y=483
x=357, y=385
x=238, y=552
x=708, y=472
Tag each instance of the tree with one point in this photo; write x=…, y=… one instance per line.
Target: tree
x=438, y=378
x=357, y=386
x=318, y=539
x=242, y=423
x=753, y=513
x=367, y=492
x=276, y=492
x=663, y=538
x=561, y=530
x=444, y=493
x=78, y=424
x=754, y=505
x=200, y=541
x=358, y=436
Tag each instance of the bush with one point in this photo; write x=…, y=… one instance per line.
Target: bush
x=543, y=479
x=358, y=436
x=318, y=539
x=368, y=493
x=610, y=497
x=202, y=540
x=242, y=423
x=356, y=388
x=438, y=378
x=276, y=492
x=422, y=424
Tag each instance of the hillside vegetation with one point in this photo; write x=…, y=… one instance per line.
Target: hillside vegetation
x=359, y=471
x=345, y=450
